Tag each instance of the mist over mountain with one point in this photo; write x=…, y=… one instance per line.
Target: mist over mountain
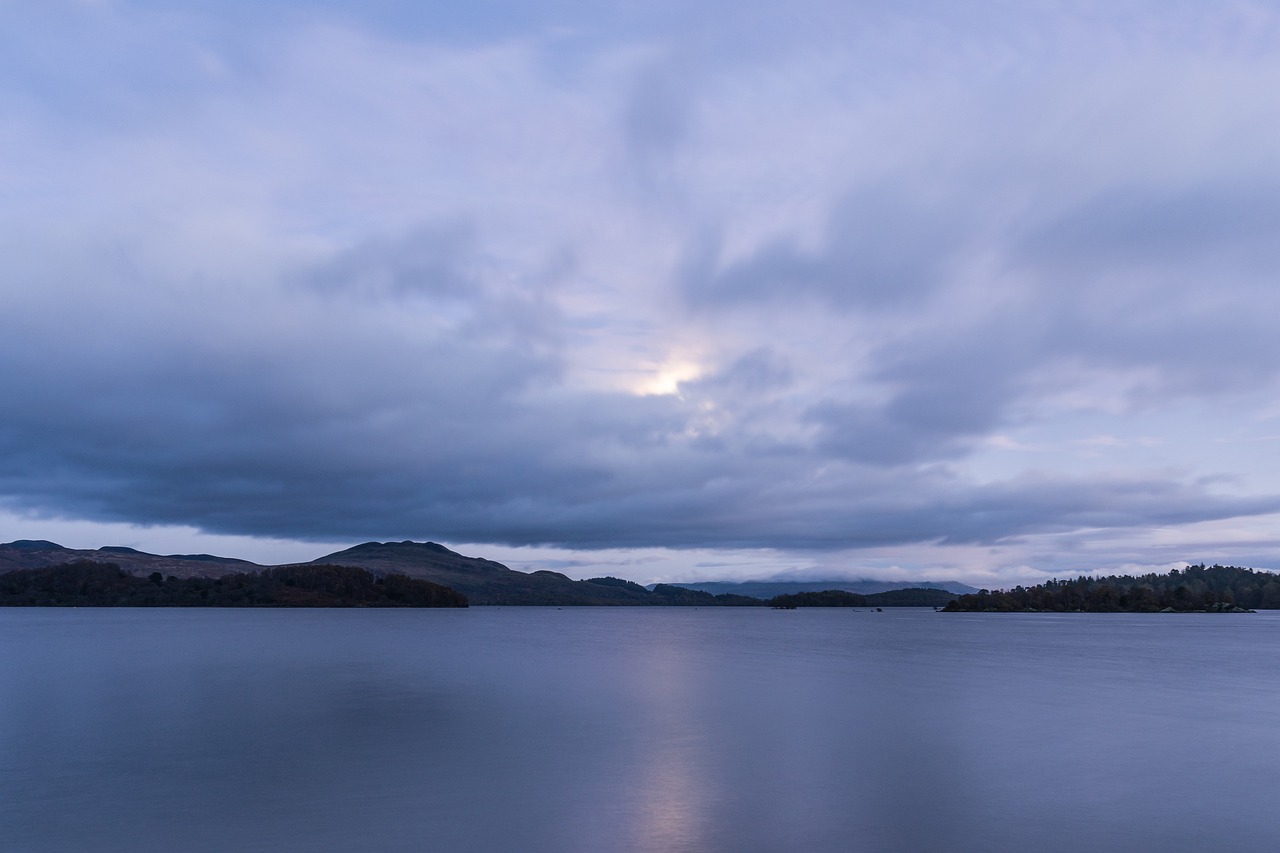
x=770, y=588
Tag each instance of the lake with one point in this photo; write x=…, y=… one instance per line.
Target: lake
x=636, y=729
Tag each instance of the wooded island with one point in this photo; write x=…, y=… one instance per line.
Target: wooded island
x=1200, y=588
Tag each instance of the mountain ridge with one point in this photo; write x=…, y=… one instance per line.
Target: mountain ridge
x=481, y=580
x=41, y=553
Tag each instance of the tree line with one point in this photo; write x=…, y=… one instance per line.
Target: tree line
x=94, y=584
x=1196, y=588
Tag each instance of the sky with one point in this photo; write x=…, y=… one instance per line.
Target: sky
x=669, y=291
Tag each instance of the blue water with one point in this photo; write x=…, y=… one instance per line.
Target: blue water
x=636, y=729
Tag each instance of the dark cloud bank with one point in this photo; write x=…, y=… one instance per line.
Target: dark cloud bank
x=340, y=429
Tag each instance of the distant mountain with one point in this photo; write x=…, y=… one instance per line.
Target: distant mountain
x=32, y=545
x=913, y=597
x=772, y=589
x=481, y=581
x=39, y=554
x=486, y=582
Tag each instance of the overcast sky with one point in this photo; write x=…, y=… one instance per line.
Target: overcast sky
x=980, y=291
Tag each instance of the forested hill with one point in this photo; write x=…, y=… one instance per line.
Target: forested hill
x=1215, y=589
x=91, y=584
x=481, y=581
x=486, y=582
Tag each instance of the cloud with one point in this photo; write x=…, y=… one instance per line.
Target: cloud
x=609, y=279
x=658, y=115
x=430, y=263
x=759, y=371
x=1162, y=227
x=879, y=250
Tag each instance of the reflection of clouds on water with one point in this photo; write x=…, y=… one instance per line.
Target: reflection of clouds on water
x=602, y=730
x=910, y=755
x=184, y=748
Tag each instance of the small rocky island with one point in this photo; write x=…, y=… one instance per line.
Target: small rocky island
x=1195, y=589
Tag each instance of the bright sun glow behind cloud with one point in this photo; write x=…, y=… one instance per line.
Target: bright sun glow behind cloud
x=666, y=380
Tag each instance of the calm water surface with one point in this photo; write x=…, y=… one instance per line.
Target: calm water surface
x=636, y=729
